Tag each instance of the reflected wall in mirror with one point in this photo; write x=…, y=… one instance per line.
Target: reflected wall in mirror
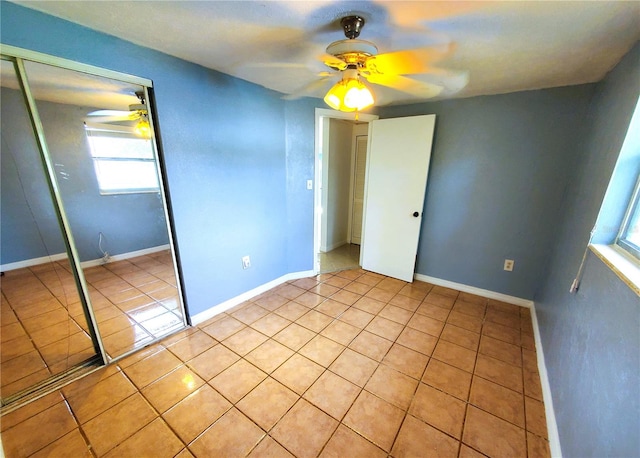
x=44, y=330
x=98, y=137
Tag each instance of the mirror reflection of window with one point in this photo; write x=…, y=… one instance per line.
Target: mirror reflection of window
x=123, y=161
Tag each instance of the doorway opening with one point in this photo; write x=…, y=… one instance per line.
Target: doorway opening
x=340, y=165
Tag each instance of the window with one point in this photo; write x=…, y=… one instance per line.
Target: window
x=629, y=237
x=123, y=162
x=615, y=238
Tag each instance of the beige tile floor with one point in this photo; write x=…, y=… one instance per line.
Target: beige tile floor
x=342, y=258
x=347, y=365
x=44, y=330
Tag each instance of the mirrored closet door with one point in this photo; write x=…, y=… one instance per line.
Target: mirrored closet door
x=44, y=331
x=90, y=273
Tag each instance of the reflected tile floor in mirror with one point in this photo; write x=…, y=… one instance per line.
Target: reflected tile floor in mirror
x=43, y=326
x=43, y=329
x=134, y=301
x=351, y=364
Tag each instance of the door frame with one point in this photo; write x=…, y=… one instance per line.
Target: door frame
x=321, y=116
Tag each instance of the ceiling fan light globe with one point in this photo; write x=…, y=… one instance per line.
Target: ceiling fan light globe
x=357, y=96
x=143, y=129
x=332, y=101
x=335, y=97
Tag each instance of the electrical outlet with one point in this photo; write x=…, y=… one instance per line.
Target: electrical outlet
x=508, y=265
x=309, y=184
x=246, y=262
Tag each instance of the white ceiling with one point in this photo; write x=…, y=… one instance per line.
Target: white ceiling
x=70, y=87
x=501, y=46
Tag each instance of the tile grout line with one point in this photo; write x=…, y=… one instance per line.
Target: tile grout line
x=325, y=369
x=380, y=362
x=467, y=403
x=406, y=413
x=80, y=428
x=468, y=395
x=361, y=389
x=159, y=415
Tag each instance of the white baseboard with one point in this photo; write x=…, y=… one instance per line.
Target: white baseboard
x=90, y=263
x=333, y=246
x=230, y=303
x=32, y=262
x=552, y=425
x=477, y=291
x=123, y=256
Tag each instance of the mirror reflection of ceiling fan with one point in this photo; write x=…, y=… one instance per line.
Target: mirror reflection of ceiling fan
x=358, y=60
x=137, y=112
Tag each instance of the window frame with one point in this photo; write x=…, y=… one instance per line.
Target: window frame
x=632, y=209
x=121, y=132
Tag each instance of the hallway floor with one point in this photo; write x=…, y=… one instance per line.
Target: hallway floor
x=351, y=364
x=344, y=257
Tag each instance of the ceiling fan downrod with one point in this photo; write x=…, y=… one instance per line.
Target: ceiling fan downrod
x=352, y=26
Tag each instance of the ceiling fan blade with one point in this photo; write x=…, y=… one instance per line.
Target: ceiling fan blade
x=310, y=89
x=452, y=80
x=407, y=62
x=417, y=88
x=333, y=62
x=274, y=65
x=107, y=119
x=109, y=113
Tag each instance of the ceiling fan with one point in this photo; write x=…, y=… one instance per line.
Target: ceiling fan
x=359, y=59
x=137, y=112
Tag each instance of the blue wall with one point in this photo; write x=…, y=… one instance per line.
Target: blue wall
x=224, y=153
x=28, y=227
x=591, y=339
x=129, y=222
x=498, y=171
x=300, y=143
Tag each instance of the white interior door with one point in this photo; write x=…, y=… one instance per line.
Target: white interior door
x=358, y=189
x=397, y=168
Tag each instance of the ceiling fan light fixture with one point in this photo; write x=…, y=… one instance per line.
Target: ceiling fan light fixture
x=349, y=94
x=143, y=129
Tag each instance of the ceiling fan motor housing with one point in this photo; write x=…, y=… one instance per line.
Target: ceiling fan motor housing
x=352, y=51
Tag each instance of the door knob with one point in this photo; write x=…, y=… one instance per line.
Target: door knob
x=416, y=214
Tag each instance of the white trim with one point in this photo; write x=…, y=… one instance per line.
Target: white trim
x=230, y=303
x=48, y=59
x=621, y=263
x=477, y=291
x=552, y=425
x=85, y=264
x=123, y=256
x=32, y=262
